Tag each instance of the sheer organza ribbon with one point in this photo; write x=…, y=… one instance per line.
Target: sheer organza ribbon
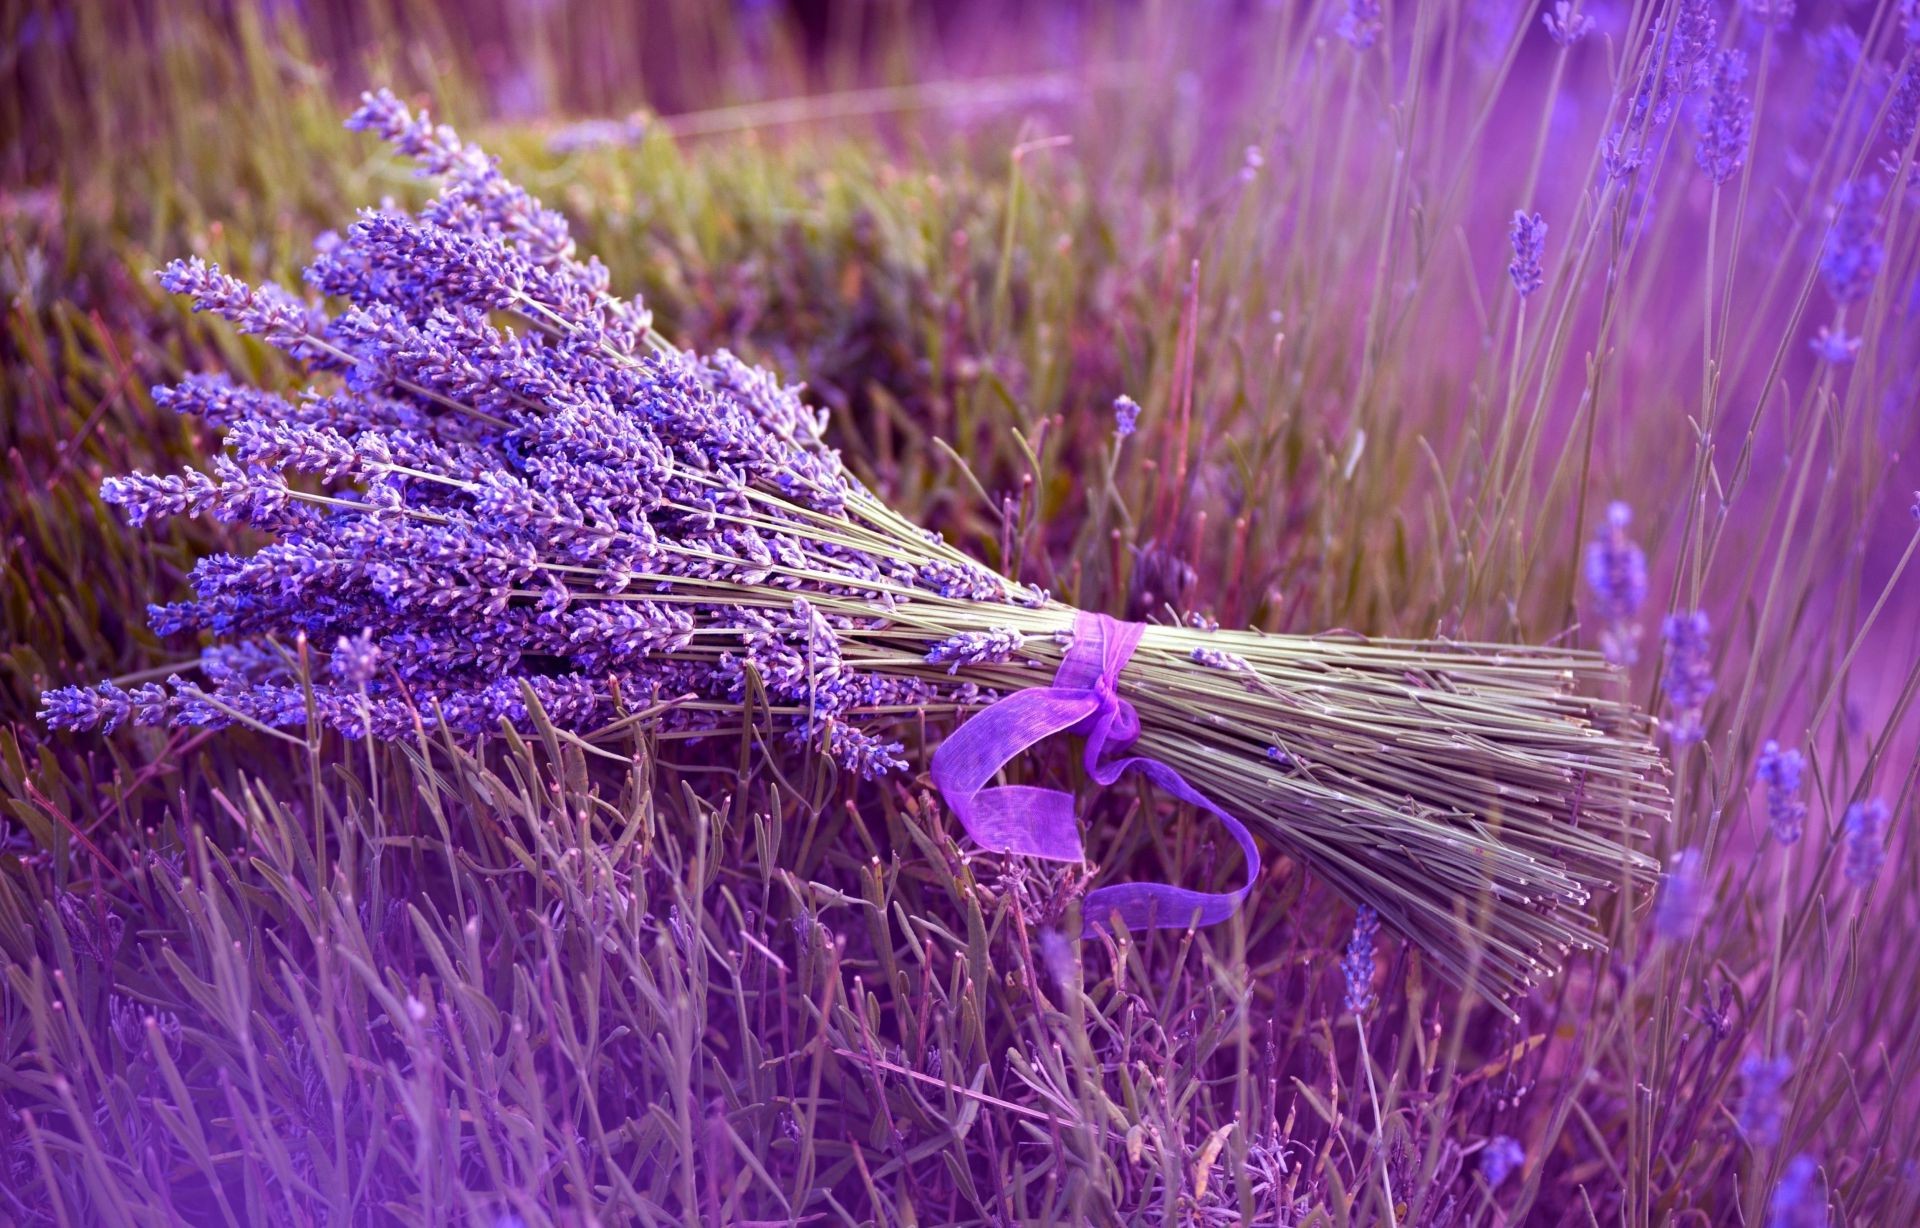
x=1040, y=822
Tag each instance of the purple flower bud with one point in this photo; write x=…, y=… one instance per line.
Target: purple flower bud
x=1567, y=25
x=1725, y=120
x=1780, y=771
x=1126, y=416
x=1865, y=831
x=1501, y=1157
x=1529, y=239
x=1358, y=965
x=1616, y=571
x=1688, y=675
x=1761, y=1113
x=1679, y=904
x=1360, y=25
x=1800, y=1200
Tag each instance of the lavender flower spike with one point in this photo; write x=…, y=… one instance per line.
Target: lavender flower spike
x=1529, y=237
x=1761, y=1113
x=1865, y=829
x=1799, y=1201
x=1126, y=416
x=1358, y=965
x=1616, y=570
x=976, y=648
x=1853, y=254
x=1688, y=677
x=1679, y=906
x=1725, y=121
x=1780, y=771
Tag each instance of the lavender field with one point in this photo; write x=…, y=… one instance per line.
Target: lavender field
x=534, y=533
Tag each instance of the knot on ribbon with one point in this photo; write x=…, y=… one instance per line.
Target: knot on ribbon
x=1084, y=699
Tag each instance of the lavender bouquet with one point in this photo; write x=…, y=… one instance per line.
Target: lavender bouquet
x=505, y=494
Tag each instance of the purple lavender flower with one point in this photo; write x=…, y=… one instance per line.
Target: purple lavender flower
x=1360, y=25
x=1688, y=675
x=1780, y=771
x=1865, y=829
x=976, y=648
x=1566, y=24
x=1903, y=112
x=1800, y=1200
x=1126, y=416
x=1500, y=1159
x=1761, y=1112
x=356, y=659
x=1674, y=64
x=1679, y=904
x=1529, y=238
x=1725, y=120
x=1853, y=255
x=1616, y=570
x=1358, y=965
x=1833, y=344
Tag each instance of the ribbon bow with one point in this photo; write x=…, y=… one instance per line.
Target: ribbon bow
x=1083, y=699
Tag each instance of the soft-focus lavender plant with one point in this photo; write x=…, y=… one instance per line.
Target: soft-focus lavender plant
x=1616, y=571
x=1779, y=771
x=1502, y=1158
x=1687, y=675
x=1853, y=252
x=1864, y=831
x=1800, y=1200
x=1761, y=1111
x=1126, y=416
x=1680, y=901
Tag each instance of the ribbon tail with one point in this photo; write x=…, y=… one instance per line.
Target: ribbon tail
x=1161, y=905
x=1015, y=818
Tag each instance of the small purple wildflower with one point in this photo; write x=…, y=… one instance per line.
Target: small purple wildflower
x=1358, y=965
x=1688, y=676
x=1780, y=771
x=1501, y=1158
x=1865, y=828
x=1360, y=25
x=1761, y=1112
x=1126, y=416
x=1566, y=24
x=1725, y=121
x=1679, y=905
x=1280, y=757
x=1616, y=570
x=1800, y=1200
x=1853, y=255
x=976, y=648
x=1528, y=235
x=1832, y=344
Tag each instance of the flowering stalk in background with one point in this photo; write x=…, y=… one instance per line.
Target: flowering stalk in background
x=1616, y=570
x=1780, y=771
x=1688, y=674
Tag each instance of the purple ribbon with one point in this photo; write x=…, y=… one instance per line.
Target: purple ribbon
x=1040, y=822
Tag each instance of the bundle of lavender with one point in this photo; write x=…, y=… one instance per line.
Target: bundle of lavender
x=508, y=489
